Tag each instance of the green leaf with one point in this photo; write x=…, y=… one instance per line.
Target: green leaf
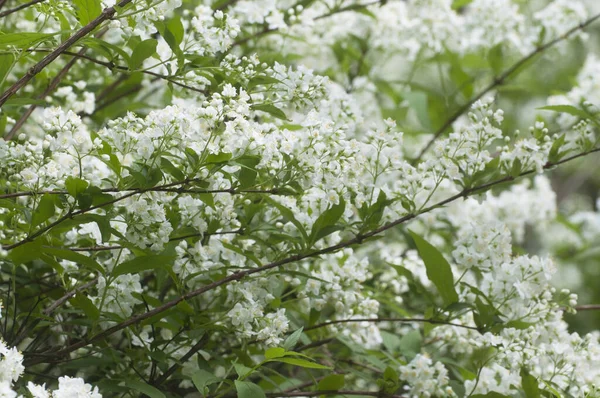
x=88, y=10
x=22, y=39
x=390, y=374
x=301, y=362
x=246, y=389
x=275, y=352
x=175, y=27
x=141, y=52
x=438, y=269
x=332, y=382
x=271, y=110
x=106, y=47
x=325, y=223
x=417, y=101
x=555, y=154
x=529, y=384
x=248, y=173
x=6, y=64
x=43, y=211
x=21, y=101
x=242, y=370
x=288, y=215
x=457, y=4
x=171, y=169
x=85, y=304
x=202, y=379
x=495, y=58
x=292, y=339
x=375, y=212
x=144, y=388
x=70, y=255
x=571, y=110
x=261, y=81
x=75, y=186
x=143, y=263
x=410, y=344
x=26, y=252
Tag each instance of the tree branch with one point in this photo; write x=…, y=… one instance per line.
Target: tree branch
x=377, y=320
x=499, y=80
x=51, y=87
x=239, y=275
x=331, y=393
x=18, y=8
x=106, y=14
x=117, y=247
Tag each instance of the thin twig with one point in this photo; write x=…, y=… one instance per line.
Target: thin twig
x=120, y=68
x=499, y=80
x=160, y=188
x=106, y=14
x=18, y=8
x=117, y=247
x=68, y=295
x=377, y=320
x=239, y=275
x=51, y=87
x=587, y=307
x=331, y=393
x=195, y=348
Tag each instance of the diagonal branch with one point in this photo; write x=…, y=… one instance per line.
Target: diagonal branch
x=239, y=275
x=18, y=8
x=177, y=238
x=331, y=393
x=51, y=87
x=499, y=80
x=377, y=320
x=106, y=14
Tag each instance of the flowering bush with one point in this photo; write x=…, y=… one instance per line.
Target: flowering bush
x=296, y=198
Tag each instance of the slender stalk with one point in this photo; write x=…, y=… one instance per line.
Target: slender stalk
x=18, y=8
x=501, y=79
x=106, y=14
x=377, y=320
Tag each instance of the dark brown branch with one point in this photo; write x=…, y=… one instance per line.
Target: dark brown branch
x=106, y=14
x=239, y=275
x=117, y=247
x=18, y=8
x=122, y=69
x=332, y=393
x=499, y=80
x=195, y=348
x=51, y=87
x=377, y=320
x=68, y=295
x=587, y=307
x=160, y=188
x=52, y=307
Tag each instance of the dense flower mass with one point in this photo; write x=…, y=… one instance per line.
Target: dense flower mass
x=278, y=198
